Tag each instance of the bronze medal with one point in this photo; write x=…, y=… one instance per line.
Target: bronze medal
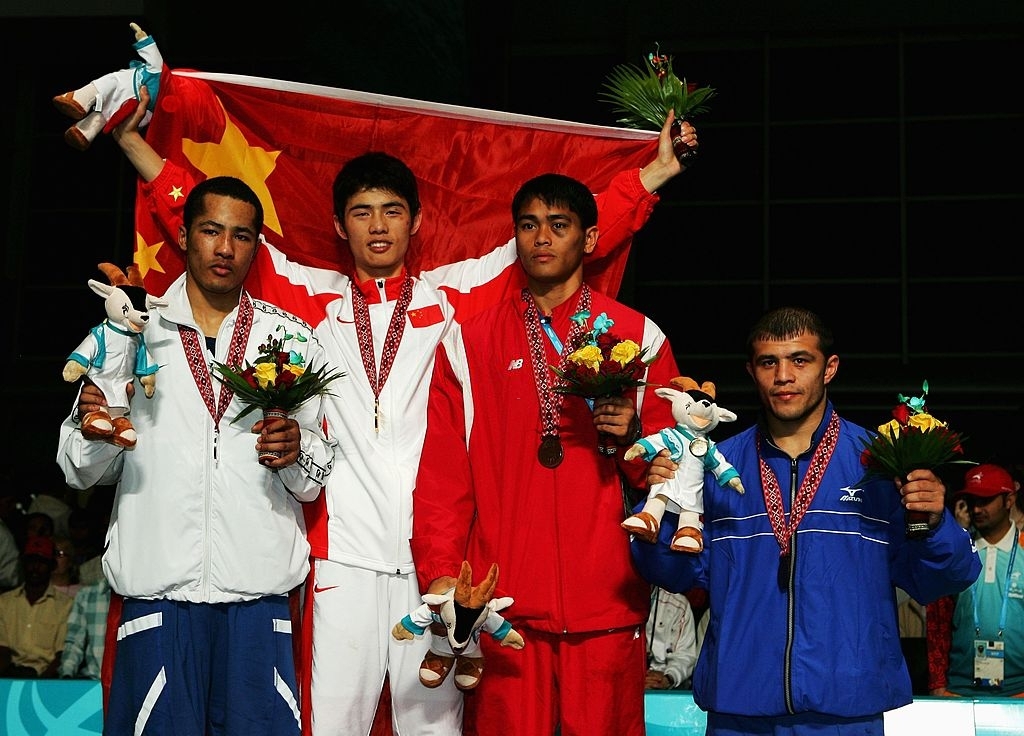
x=699, y=447
x=550, y=452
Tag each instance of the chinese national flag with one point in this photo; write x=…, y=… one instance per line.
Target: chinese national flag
x=288, y=140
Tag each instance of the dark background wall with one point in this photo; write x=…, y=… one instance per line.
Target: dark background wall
x=861, y=160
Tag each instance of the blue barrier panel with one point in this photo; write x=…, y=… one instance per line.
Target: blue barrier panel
x=674, y=713
x=74, y=708
x=51, y=708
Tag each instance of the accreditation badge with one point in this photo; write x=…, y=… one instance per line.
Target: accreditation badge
x=988, y=664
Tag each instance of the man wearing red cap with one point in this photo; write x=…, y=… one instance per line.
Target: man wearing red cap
x=976, y=639
x=34, y=617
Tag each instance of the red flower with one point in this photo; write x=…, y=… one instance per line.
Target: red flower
x=249, y=375
x=285, y=379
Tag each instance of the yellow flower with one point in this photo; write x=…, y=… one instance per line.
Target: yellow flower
x=298, y=370
x=890, y=429
x=924, y=422
x=624, y=352
x=265, y=373
x=589, y=356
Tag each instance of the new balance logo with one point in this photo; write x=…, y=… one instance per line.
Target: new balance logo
x=516, y=364
x=851, y=494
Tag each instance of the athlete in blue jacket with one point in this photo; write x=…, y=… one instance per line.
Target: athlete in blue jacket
x=801, y=569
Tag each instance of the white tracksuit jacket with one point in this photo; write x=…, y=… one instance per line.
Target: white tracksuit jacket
x=196, y=518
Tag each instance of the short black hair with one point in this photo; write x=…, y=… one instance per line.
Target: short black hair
x=375, y=170
x=224, y=186
x=558, y=190
x=784, y=323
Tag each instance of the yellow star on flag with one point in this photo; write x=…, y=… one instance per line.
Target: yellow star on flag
x=175, y=193
x=145, y=256
x=233, y=156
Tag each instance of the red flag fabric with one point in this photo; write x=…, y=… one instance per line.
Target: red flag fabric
x=288, y=141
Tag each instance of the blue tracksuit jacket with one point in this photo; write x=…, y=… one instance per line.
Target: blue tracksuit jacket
x=822, y=635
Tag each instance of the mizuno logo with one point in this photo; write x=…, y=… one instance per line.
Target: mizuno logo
x=850, y=494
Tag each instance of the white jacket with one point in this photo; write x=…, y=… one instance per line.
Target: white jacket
x=196, y=518
x=368, y=501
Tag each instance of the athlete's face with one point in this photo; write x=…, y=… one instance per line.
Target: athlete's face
x=791, y=376
x=551, y=242
x=220, y=244
x=378, y=226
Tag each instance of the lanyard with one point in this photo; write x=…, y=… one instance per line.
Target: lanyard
x=545, y=322
x=392, y=339
x=1005, y=593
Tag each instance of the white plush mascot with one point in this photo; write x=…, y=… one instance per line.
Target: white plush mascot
x=456, y=618
x=696, y=415
x=103, y=103
x=114, y=354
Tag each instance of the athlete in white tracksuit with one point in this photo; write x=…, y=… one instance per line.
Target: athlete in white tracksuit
x=198, y=520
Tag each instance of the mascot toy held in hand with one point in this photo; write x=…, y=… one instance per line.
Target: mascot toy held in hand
x=114, y=353
x=696, y=415
x=456, y=618
x=103, y=103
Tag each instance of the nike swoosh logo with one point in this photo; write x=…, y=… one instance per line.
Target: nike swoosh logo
x=318, y=589
x=346, y=321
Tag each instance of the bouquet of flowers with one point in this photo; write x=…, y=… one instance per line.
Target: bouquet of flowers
x=278, y=379
x=912, y=439
x=599, y=363
x=645, y=96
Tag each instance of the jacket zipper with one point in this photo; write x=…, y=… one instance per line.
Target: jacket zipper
x=787, y=683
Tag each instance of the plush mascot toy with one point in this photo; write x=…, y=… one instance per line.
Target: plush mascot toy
x=105, y=102
x=114, y=353
x=696, y=415
x=456, y=618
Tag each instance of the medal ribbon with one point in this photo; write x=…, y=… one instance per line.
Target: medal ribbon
x=550, y=401
x=196, y=357
x=773, y=496
x=364, y=332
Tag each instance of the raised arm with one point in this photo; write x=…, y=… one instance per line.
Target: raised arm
x=147, y=162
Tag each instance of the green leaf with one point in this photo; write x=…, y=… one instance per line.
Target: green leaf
x=645, y=100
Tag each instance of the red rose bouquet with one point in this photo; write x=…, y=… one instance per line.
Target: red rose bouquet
x=601, y=364
x=912, y=439
x=278, y=379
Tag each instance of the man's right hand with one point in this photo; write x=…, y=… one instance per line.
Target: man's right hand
x=657, y=680
x=662, y=469
x=91, y=399
x=131, y=123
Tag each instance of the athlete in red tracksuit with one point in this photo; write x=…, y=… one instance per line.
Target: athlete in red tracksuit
x=483, y=494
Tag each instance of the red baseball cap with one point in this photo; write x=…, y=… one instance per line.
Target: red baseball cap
x=40, y=547
x=986, y=481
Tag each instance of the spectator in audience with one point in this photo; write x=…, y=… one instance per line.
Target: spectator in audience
x=90, y=531
x=10, y=562
x=976, y=639
x=87, y=622
x=671, y=641
x=37, y=524
x=53, y=503
x=65, y=574
x=912, y=626
x=33, y=617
